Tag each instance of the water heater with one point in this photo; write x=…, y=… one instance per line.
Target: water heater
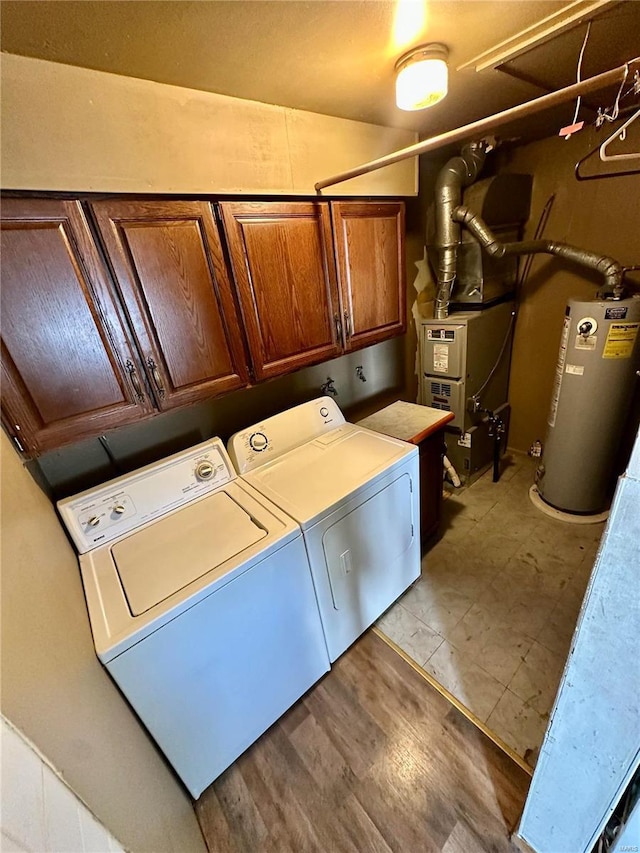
x=594, y=383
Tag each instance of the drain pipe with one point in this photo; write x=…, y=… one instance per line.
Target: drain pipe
x=607, y=267
x=458, y=172
x=451, y=472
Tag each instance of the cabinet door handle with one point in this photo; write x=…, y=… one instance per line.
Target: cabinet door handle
x=153, y=367
x=347, y=324
x=336, y=318
x=133, y=377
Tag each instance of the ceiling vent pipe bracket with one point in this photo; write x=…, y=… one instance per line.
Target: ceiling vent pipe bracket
x=609, y=268
x=457, y=173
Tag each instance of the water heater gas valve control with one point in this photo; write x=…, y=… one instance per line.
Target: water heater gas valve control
x=587, y=326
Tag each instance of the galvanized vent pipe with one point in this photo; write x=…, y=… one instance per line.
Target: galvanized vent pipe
x=607, y=267
x=457, y=173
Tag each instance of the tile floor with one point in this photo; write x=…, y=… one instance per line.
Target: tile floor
x=493, y=614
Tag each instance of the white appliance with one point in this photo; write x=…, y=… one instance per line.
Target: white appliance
x=355, y=493
x=201, y=604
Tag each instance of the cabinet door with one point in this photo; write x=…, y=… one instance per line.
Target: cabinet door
x=286, y=282
x=69, y=367
x=369, y=243
x=167, y=259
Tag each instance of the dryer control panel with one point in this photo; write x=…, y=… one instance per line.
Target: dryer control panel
x=269, y=439
x=101, y=515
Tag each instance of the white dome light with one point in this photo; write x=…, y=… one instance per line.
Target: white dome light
x=422, y=77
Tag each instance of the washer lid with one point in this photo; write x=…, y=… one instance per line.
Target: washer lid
x=164, y=557
x=309, y=480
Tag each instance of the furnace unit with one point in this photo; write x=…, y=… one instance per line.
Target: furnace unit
x=464, y=369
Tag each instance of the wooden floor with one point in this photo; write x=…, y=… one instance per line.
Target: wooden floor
x=371, y=759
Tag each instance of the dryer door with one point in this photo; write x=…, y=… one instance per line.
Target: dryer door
x=372, y=556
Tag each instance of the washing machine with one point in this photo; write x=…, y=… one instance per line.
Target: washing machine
x=355, y=494
x=201, y=604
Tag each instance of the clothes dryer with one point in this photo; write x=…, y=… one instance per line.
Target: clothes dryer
x=355, y=494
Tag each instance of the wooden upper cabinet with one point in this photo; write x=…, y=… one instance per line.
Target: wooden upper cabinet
x=69, y=367
x=369, y=243
x=285, y=275
x=168, y=262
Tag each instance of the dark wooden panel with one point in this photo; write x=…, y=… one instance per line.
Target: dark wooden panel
x=50, y=328
x=66, y=354
x=286, y=282
x=432, y=450
x=369, y=243
x=372, y=758
x=168, y=261
x=176, y=283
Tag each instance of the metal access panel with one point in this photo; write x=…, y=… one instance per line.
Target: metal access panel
x=457, y=355
x=482, y=278
x=487, y=331
x=444, y=346
x=447, y=395
x=504, y=203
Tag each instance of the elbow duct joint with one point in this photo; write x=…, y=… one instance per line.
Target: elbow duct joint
x=609, y=268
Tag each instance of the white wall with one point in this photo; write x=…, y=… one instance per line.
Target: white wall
x=39, y=812
x=591, y=748
x=74, y=129
x=57, y=693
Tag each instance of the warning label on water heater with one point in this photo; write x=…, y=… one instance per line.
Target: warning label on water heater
x=620, y=340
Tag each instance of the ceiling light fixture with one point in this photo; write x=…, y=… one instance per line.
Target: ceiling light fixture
x=422, y=77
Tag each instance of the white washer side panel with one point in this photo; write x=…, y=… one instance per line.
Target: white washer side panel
x=364, y=556
x=210, y=682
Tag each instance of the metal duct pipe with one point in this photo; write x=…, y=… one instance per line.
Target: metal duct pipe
x=458, y=172
x=609, y=268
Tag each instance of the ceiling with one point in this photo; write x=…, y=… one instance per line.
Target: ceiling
x=328, y=56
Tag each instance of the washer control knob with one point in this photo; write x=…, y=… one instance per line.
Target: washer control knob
x=119, y=509
x=258, y=441
x=94, y=521
x=324, y=411
x=204, y=471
